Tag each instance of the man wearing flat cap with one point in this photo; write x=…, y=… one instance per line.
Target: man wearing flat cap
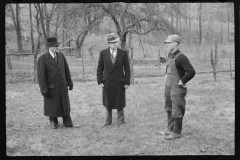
x=179, y=71
x=54, y=78
x=113, y=76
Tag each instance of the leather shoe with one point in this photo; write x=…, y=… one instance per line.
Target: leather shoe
x=54, y=125
x=172, y=136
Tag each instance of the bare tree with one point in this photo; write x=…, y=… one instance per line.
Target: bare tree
x=31, y=27
x=200, y=22
x=230, y=15
x=131, y=18
x=89, y=16
x=40, y=10
x=17, y=24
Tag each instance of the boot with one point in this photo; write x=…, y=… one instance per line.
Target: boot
x=170, y=122
x=177, y=129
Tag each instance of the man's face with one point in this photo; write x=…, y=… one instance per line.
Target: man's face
x=54, y=49
x=113, y=45
x=171, y=45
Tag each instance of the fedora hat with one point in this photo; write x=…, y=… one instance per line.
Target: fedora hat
x=112, y=38
x=52, y=42
x=172, y=38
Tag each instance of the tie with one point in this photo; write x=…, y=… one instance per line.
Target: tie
x=112, y=57
x=55, y=57
x=113, y=54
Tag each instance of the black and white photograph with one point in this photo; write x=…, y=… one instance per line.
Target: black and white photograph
x=120, y=79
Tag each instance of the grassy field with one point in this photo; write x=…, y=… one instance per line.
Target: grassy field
x=208, y=126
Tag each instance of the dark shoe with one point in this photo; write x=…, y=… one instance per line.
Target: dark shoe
x=54, y=125
x=172, y=136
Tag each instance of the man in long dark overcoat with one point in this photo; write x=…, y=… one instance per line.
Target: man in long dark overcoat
x=113, y=75
x=54, y=78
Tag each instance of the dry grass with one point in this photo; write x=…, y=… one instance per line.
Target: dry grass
x=208, y=127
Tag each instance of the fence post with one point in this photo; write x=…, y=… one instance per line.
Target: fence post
x=9, y=63
x=92, y=57
x=213, y=66
x=130, y=55
x=229, y=56
x=159, y=58
x=83, y=67
x=216, y=52
x=37, y=46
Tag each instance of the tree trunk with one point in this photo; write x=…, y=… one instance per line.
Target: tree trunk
x=19, y=33
x=48, y=27
x=200, y=23
x=35, y=60
x=130, y=56
x=64, y=26
x=159, y=58
x=123, y=40
x=56, y=26
x=83, y=67
x=216, y=53
x=9, y=63
x=213, y=65
x=92, y=57
x=129, y=41
x=229, y=56
x=80, y=42
x=228, y=22
x=43, y=28
x=189, y=22
x=31, y=28
x=141, y=45
x=221, y=25
x=17, y=25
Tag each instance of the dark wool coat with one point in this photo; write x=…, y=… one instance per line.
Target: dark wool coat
x=54, y=79
x=113, y=77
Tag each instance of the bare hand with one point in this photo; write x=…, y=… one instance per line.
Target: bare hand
x=101, y=85
x=125, y=86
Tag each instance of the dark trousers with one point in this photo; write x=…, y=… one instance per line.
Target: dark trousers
x=120, y=116
x=67, y=121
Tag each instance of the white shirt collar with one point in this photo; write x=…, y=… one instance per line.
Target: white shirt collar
x=114, y=53
x=52, y=54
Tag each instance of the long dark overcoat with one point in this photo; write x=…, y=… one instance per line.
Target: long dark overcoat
x=114, y=77
x=54, y=78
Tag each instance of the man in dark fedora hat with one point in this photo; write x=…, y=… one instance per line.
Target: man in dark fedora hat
x=54, y=78
x=113, y=76
x=179, y=71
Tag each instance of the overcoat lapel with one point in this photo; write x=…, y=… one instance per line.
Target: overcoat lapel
x=117, y=60
x=51, y=60
x=60, y=60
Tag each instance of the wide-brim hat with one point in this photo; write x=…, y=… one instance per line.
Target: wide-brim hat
x=112, y=38
x=52, y=42
x=172, y=38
